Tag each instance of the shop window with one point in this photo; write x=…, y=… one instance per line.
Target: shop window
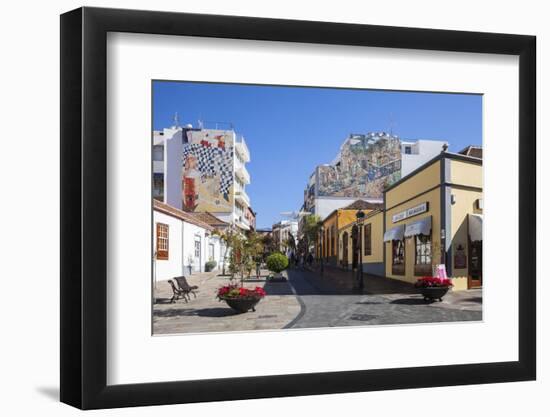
x=368, y=239
x=162, y=241
x=398, y=257
x=423, y=255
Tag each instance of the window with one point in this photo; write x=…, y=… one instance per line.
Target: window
x=197, y=248
x=423, y=255
x=158, y=186
x=368, y=239
x=158, y=153
x=162, y=241
x=408, y=150
x=211, y=252
x=398, y=257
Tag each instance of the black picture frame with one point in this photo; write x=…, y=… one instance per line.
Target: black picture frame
x=84, y=207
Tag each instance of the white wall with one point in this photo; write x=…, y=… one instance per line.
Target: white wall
x=173, y=266
x=31, y=319
x=173, y=149
x=427, y=149
x=182, y=245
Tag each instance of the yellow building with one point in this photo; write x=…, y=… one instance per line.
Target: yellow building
x=434, y=216
x=328, y=243
x=367, y=237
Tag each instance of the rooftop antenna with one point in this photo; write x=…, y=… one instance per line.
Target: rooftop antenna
x=391, y=124
x=176, y=120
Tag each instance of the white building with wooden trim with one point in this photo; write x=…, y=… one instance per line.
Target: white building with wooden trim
x=182, y=243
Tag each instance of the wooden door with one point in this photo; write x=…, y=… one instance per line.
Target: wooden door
x=475, y=264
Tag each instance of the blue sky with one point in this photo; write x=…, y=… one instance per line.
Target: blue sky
x=290, y=130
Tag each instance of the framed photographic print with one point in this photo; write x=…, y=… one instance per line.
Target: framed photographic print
x=258, y=207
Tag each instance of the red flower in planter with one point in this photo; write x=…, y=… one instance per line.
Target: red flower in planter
x=433, y=282
x=235, y=291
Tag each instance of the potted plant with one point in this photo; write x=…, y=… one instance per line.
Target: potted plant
x=433, y=288
x=210, y=265
x=277, y=263
x=239, y=298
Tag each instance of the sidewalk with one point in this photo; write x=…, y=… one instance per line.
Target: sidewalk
x=206, y=314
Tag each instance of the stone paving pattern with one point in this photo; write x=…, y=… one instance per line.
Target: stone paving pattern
x=309, y=300
x=206, y=314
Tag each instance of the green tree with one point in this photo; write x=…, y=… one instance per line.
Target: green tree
x=310, y=229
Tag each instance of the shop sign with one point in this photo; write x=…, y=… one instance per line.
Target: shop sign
x=413, y=211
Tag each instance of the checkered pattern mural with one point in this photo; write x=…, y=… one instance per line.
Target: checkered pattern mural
x=212, y=161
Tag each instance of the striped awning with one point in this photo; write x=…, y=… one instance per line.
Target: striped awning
x=395, y=233
x=475, y=227
x=420, y=227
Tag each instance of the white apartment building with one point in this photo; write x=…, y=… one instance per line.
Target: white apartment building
x=417, y=153
x=200, y=169
x=282, y=231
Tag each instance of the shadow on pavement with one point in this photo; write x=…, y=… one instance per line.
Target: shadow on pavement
x=277, y=288
x=474, y=300
x=411, y=301
x=338, y=281
x=201, y=312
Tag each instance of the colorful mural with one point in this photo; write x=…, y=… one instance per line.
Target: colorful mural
x=207, y=174
x=364, y=166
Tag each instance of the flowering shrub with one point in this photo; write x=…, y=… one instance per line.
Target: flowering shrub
x=235, y=291
x=426, y=282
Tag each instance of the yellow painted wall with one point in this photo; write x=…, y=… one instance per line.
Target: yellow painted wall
x=328, y=224
x=465, y=201
x=434, y=210
x=422, y=181
x=466, y=173
x=377, y=231
x=377, y=245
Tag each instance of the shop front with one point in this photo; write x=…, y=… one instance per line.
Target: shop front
x=434, y=216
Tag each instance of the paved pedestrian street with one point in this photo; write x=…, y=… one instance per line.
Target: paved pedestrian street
x=206, y=314
x=308, y=300
x=323, y=306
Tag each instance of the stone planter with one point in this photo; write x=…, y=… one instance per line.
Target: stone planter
x=277, y=277
x=433, y=293
x=242, y=305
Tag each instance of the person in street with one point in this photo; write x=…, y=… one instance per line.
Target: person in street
x=309, y=259
x=258, y=268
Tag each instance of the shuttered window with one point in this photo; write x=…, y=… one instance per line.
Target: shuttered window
x=162, y=241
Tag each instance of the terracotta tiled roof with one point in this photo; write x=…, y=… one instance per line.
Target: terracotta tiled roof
x=182, y=215
x=363, y=205
x=210, y=219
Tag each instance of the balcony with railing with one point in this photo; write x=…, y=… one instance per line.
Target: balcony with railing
x=241, y=148
x=242, y=197
x=241, y=171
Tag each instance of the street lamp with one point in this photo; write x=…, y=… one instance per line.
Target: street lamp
x=322, y=232
x=360, y=217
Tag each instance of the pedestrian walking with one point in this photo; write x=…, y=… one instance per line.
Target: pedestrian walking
x=258, y=268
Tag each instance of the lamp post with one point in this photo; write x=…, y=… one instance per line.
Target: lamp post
x=360, y=217
x=322, y=232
